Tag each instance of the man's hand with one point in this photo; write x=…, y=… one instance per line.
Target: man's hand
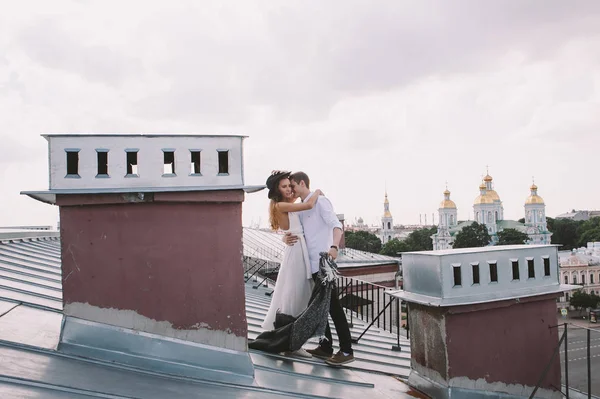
x=333, y=253
x=290, y=239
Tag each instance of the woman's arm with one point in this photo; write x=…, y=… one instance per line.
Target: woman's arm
x=302, y=206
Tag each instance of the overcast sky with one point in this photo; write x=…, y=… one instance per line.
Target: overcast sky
x=358, y=94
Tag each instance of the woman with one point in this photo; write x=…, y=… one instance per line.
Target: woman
x=294, y=281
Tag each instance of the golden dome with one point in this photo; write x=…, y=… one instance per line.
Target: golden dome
x=387, y=214
x=448, y=204
x=487, y=178
x=483, y=199
x=482, y=186
x=534, y=199
x=446, y=192
x=493, y=195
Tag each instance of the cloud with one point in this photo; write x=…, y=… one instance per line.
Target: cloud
x=361, y=96
x=46, y=43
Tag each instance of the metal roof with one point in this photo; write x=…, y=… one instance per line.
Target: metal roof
x=268, y=245
x=49, y=196
x=30, y=325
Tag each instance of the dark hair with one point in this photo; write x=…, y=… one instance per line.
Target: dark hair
x=300, y=176
x=273, y=184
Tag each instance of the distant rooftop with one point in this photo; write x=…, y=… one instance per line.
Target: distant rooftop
x=268, y=245
x=495, y=248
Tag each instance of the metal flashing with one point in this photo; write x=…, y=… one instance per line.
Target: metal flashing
x=49, y=196
x=154, y=352
x=149, y=135
x=480, y=298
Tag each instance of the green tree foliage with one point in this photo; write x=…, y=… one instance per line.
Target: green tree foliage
x=512, y=237
x=394, y=247
x=582, y=300
x=418, y=240
x=565, y=233
x=589, y=231
x=474, y=235
x=363, y=241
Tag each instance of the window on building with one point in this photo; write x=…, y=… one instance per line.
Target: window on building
x=496, y=215
x=195, y=162
x=493, y=272
x=566, y=279
x=223, y=162
x=591, y=278
x=132, y=163
x=567, y=296
x=583, y=279
x=574, y=279
x=389, y=225
x=475, y=269
x=457, y=275
x=546, y=266
x=72, y=163
x=530, y=268
x=515, y=269
x=168, y=162
x=389, y=238
x=102, y=158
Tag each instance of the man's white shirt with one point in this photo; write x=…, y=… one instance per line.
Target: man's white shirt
x=318, y=224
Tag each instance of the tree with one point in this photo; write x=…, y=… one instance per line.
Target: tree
x=420, y=239
x=393, y=247
x=363, y=241
x=565, y=232
x=580, y=300
x=589, y=231
x=511, y=237
x=474, y=235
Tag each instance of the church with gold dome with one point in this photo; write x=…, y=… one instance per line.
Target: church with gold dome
x=488, y=210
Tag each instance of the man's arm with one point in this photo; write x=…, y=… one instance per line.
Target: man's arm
x=331, y=219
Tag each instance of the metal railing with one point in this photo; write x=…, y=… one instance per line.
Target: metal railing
x=583, y=384
x=362, y=300
x=369, y=303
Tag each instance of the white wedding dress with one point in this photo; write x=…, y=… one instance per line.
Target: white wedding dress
x=294, y=281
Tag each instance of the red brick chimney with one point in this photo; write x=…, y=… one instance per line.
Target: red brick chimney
x=151, y=236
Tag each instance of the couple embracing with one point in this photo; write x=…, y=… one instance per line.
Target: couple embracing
x=300, y=303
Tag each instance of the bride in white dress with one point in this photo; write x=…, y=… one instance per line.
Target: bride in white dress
x=294, y=281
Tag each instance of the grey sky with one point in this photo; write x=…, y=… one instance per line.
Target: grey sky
x=357, y=94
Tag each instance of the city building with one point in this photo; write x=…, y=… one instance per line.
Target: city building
x=578, y=215
x=580, y=267
x=488, y=210
x=387, y=222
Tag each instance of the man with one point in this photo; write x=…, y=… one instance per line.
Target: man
x=323, y=232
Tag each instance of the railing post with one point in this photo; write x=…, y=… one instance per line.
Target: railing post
x=589, y=365
x=396, y=348
x=352, y=301
x=566, y=360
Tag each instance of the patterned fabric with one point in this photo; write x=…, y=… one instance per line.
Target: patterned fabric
x=290, y=332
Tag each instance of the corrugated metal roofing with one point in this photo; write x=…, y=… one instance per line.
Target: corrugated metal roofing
x=30, y=323
x=267, y=245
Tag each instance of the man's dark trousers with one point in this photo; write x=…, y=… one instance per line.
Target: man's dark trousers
x=340, y=322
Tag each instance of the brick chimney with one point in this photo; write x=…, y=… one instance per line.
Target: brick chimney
x=481, y=320
x=151, y=239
